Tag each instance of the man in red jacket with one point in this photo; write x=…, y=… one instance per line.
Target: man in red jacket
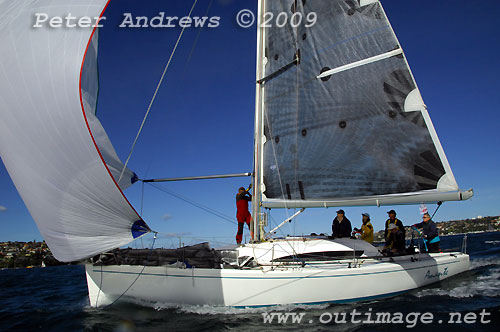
x=242, y=213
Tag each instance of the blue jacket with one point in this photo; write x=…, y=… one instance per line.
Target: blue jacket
x=429, y=229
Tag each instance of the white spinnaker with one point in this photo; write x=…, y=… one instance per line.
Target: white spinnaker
x=45, y=142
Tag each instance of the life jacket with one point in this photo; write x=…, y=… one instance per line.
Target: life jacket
x=389, y=221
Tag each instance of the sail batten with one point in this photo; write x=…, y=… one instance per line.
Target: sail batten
x=360, y=63
x=54, y=148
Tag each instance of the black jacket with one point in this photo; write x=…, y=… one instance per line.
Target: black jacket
x=429, y=229
x=341, y=229
x=396, y=240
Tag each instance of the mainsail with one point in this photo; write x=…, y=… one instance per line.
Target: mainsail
x=343, y=120
x=52, y=144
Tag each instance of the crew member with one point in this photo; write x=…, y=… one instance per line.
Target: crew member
x=341, y=226
x=395, y=244
x=366, y=230
x=393, y=220
x=430, y=233
x=242, y=214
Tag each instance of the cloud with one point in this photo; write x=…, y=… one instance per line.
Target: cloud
x=3, y=208
x=166, y=216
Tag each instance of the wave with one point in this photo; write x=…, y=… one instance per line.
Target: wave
x=487, y=252
x=219, y=310
x=478, y=263
x=222, y=310
x=483, y=279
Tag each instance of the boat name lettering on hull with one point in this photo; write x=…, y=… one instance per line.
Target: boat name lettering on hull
x=438, y=274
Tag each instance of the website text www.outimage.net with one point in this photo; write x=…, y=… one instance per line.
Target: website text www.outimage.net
x=408, y=320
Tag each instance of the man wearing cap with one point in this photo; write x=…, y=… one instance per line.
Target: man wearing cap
x=393, y=220
x=395, y=244
x=430, y=233
x=341, y=226
x=366, y=230
x=242, y=214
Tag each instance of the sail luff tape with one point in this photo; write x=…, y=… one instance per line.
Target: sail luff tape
x=360, y=63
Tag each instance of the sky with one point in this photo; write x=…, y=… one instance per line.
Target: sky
x=203, y=118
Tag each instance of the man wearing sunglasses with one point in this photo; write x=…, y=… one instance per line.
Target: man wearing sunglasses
x=430, y=233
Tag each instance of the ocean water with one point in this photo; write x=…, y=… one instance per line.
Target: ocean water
x=55, y=299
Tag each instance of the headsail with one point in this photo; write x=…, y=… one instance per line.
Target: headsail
x=344, y=121
x=52, y=145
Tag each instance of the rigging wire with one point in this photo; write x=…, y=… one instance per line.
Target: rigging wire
x=142, y=197
x=438, y=206
x=142, y=205
x=154, y=95
x=198, y=205
x=198, y=35
x=297, y=72
x=213, y=239
x=273, y=145
x=294, y=44
x=294, y=252
x=133, y=282
x=265, y=117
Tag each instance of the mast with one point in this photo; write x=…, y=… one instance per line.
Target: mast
x=259, y=127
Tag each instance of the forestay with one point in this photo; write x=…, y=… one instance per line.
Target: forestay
x=344, y=121
x=53, y=146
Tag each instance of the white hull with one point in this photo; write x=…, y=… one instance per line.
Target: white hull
x=312, y=284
